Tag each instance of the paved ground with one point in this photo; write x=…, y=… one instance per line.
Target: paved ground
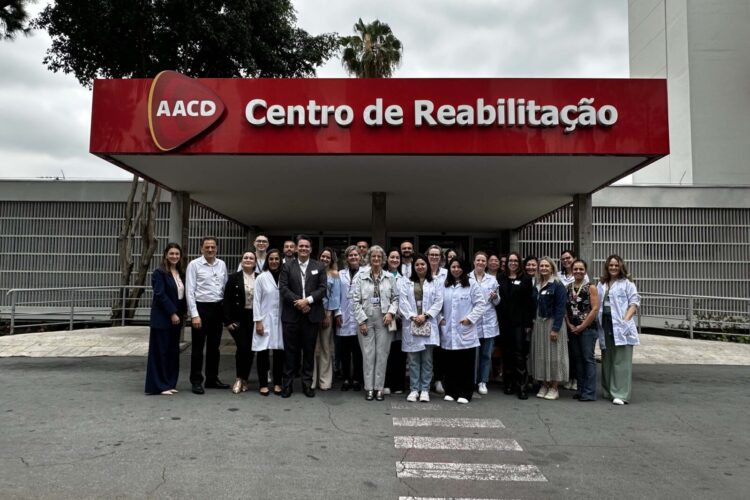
x=133, y=341
x=81, y=428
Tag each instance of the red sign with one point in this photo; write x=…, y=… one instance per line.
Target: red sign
x=180, y=108
x=380, y=116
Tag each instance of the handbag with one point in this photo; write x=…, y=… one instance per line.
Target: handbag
x=423, y=330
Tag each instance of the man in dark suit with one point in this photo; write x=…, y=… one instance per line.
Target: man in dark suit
x=302, y=286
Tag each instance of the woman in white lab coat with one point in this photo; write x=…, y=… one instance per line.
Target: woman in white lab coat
x=347, y=328
x=487, y=326
x=463, y=307
x=420, y=302
x=267, y=315
x=619, y=301
x=439, y=273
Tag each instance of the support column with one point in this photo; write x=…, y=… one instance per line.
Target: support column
x=179, y=221
x=583, y=229
x=378, y=219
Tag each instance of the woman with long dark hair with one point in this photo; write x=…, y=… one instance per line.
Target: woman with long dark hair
x=167, y=311
x=617, y=330
x=516, y=317
x=395, y=372
x=420, y=304
x=238, y=317
x=463, y=306
x=323, y=367
x=268, y=337
x=583, y=306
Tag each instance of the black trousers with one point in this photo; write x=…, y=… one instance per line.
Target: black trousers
x=351, y=358
x=209, y=335
x=459, y=372
x=264, y=364
x=395, y=371
x=299, y=341
x=515, y=356
x=438, y=364
x=243, y=339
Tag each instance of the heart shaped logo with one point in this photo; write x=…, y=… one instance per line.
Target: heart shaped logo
x=180, y=109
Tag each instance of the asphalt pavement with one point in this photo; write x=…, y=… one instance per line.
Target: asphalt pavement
x=82, y=428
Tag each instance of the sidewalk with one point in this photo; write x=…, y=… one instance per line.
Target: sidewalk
x=133, y=341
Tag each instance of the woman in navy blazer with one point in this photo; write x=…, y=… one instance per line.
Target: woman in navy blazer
x=167, y=311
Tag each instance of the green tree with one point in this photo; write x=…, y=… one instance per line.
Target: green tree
x=13, y=17
x=210, y=38
x=374, y=52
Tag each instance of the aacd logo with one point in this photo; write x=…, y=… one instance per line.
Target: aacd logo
x=179, y=109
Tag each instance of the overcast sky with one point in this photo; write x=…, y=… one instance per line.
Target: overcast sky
x=45, y=117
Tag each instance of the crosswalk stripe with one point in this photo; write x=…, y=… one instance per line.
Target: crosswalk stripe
x=444, y=498
x=468, y=472
x=472, y=423
x=428, y=406
x=456, y=443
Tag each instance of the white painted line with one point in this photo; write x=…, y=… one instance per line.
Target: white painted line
x=429, y=406
x=444, y=498
x=468, y=472
x=415, y=406
x=452, y=443
x=471, y=423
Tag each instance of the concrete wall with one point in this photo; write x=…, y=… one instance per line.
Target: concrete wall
x=703, y=48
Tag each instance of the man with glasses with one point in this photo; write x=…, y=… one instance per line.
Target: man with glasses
x=206, y=277
x=261, y=247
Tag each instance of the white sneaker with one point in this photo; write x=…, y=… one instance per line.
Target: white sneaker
x=424, y=397
x=574, y=385
x=618, y=401
x=482, y=388
x=462, y=401
x=412, y=397
x=386, y=391
x=568, y=385
x=448, y=398
x=542, y=391
x=439, y=387
x=552, y=393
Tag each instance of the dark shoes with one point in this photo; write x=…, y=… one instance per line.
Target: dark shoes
x=308, y=391
x=356, y=386
x=379, y=396
x=522, y=394
x=370, y=395
x=346, y=386
x=198, y=389
x=216, y=384
x=508, y=390
x=286, y=392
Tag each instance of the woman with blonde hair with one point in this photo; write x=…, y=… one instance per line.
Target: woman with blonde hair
x=375, y=299
x=617, y=330
x=549, y=338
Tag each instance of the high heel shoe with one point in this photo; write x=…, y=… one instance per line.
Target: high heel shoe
x=369, y=395
x=277, y=389
x=237, y=387
x=264, y=393
x=379, y=396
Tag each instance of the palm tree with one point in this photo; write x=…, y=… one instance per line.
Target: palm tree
x=373, y=52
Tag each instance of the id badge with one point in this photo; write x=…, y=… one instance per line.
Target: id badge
x=606, y=302
x=419, y=303
x=374, y=300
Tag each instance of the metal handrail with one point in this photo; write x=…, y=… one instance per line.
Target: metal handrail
x=74, y=307
x=689, y=312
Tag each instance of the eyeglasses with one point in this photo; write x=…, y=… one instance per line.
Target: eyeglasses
x=258, y=242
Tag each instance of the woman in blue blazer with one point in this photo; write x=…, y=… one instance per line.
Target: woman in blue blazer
x=167, y=311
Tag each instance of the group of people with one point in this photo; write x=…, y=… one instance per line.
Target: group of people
x=386, y=310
